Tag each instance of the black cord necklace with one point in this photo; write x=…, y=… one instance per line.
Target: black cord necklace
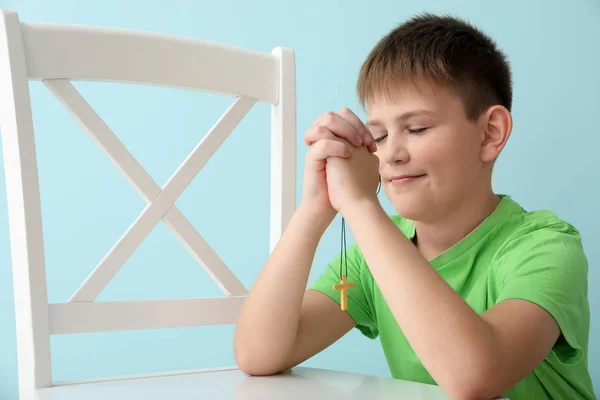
x=343, y=286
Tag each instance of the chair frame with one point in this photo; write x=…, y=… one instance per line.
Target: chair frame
x=56, y=54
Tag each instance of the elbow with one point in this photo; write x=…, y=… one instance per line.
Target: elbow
x=254, y=364
x=260, y=357
x=258, y=370
x=468, y=392
x=253, y=368
x=247, y=363
x=474, y=385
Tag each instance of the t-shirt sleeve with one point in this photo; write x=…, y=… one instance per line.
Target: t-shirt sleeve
x=548, y=267
x=359, y=304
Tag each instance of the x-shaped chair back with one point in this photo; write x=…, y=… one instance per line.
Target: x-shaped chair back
x=57, y=54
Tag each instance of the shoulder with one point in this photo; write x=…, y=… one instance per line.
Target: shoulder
x=541, y=259
x=540, y=248
x=541, y=230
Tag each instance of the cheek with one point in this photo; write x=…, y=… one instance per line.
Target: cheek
x=433, y=154
x=447, y=158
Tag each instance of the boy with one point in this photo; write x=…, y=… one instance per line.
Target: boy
x=464, y=288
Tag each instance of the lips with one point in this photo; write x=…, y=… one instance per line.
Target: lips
x=404, y=178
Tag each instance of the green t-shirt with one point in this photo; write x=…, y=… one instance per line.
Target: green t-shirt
x=513, y=253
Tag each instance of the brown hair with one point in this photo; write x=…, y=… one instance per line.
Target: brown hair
x=441, y=50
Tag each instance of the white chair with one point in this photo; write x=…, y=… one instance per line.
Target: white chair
x=56, y=54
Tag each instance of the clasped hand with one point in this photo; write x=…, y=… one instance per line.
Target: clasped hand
x=341, y=169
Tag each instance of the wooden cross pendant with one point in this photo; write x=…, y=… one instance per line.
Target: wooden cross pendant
x=343, y=286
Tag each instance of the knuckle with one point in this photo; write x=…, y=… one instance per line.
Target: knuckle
x=314, y=151
x=321, y=129
x=332, y=147
x=328, y=144
x=345, y=111
x=329, y=116
x=322, y=145
x=319, y=133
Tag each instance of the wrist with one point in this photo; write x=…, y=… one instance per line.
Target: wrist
x=317, y=220
x=365, y=207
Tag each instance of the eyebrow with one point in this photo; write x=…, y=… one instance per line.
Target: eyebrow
x=404, y=116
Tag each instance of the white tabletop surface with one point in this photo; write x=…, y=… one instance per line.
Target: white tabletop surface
x=299, y=383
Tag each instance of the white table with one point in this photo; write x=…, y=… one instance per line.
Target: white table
x=299, y=383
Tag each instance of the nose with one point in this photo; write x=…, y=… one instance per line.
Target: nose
x=395, y=150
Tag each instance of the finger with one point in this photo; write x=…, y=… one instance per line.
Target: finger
x=353, y=119
x=338, y=126
x=320, y=132
x=341, y=128
x=372, y=147
x=330, y=148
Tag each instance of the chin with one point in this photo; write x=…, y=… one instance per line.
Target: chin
x=410, y=207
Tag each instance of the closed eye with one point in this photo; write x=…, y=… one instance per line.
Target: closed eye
x=416, y=131
x=409, y=131
x=380, y=137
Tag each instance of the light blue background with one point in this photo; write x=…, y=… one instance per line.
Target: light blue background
x=550, y=160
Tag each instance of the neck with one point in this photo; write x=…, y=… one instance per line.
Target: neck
x=434, y=237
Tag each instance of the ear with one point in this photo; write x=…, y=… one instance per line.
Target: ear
x=497, y=126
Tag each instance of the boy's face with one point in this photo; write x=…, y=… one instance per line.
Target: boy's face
x=425, y=134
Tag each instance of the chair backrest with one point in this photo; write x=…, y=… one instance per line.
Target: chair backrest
x=56, y=54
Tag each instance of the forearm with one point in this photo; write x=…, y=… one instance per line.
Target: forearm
x=451, y=340
x=268, y=322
